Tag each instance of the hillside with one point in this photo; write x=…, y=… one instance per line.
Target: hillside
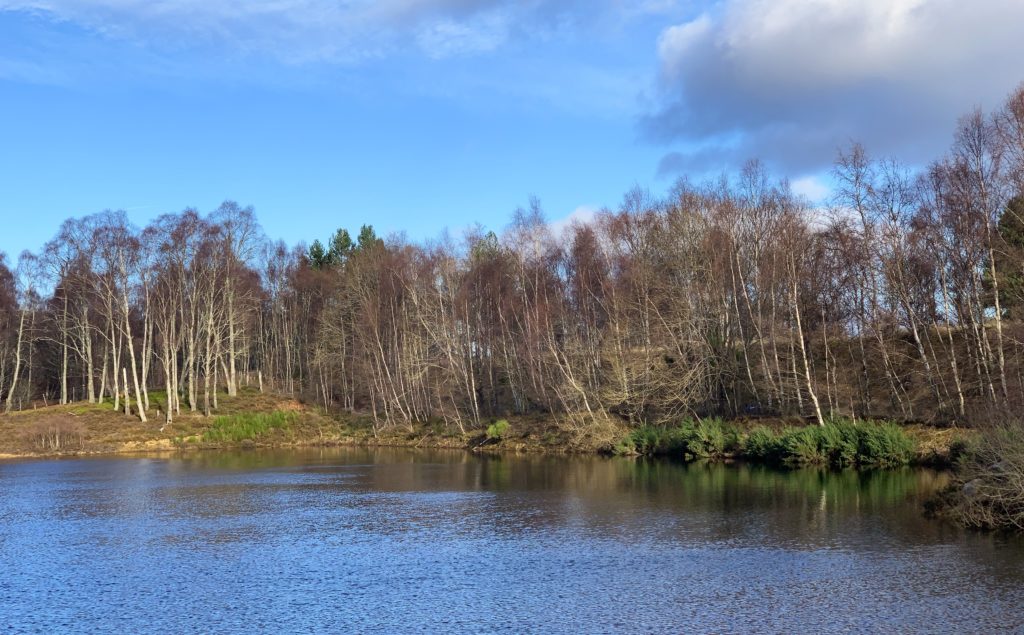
x=97, y=428
x=253, y=419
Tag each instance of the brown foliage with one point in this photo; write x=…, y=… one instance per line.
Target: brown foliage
x=989, y=490
x=54, y=434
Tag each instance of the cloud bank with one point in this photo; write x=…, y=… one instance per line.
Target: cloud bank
x=787, y=81
x=791, y=81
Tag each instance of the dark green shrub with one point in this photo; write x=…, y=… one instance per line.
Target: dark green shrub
x=844, y=443
x=839, y=443
x=710, y=438
x=802, y=446
x=839, y=440
x=762, y=444
x=644, y=439
x=885, y=445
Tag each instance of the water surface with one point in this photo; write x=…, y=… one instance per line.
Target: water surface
x=393, y=541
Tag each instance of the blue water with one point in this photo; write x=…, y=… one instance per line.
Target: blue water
x=404, y=542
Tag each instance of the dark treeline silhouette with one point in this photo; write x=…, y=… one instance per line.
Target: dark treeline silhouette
x=903, y=299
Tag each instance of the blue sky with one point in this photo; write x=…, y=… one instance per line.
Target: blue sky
x=420, y=115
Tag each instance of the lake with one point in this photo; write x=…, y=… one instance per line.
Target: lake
x=397, y=541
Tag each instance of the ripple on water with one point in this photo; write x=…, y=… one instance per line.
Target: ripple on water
x=396, y=541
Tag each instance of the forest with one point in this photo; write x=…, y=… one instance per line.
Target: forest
x=901, y=299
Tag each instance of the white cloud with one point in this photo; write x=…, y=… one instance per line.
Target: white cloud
x=790, y=81
x=810, y=187
x=676, y=43
x=582, y=215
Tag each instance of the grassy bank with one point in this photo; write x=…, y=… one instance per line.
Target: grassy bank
x=84, y=428
x=254, y=419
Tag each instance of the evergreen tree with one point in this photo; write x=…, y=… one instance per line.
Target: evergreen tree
x=317, y=255
x=1010, y=259
x=367, y=238
x=341, y=247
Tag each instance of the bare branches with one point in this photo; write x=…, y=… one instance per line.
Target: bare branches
x=903, y=299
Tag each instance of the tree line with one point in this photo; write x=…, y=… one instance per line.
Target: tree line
x=902, y=298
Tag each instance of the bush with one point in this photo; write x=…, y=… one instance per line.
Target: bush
x=804, y=446
x=839, y=443
x=839, y=439
x=710, y=438
x=498, y=429
x=762, y=444
x=988, y=491
x=55, y=435
x=885, y=445
x=646, y=440
x=248, y=426
x=959, y=450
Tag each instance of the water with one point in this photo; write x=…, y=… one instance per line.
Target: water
x=399, y=541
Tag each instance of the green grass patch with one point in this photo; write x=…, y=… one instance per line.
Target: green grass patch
x=247, y=426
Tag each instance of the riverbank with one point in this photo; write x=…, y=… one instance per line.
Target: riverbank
x=254, y=419
x=251, y=419
x=987, y=491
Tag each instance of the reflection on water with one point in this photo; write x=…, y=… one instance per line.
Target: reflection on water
x=427, y=541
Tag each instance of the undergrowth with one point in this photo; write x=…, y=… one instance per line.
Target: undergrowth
x=498, y=429
x=839, y=443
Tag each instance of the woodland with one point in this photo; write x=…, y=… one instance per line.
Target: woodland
x=902, y=298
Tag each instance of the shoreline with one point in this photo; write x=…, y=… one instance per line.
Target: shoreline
x=254, y=420
x=935, y=457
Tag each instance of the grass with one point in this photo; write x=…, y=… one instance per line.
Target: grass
x=839, y=443
x=247, y=426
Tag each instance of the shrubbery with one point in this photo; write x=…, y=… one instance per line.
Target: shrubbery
x=709, y=438
x=988, y=491
x=55, y=435
x=839, y=443
x=886, y=445
x=498, y=429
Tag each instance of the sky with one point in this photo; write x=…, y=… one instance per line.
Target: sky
x=417, y=116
